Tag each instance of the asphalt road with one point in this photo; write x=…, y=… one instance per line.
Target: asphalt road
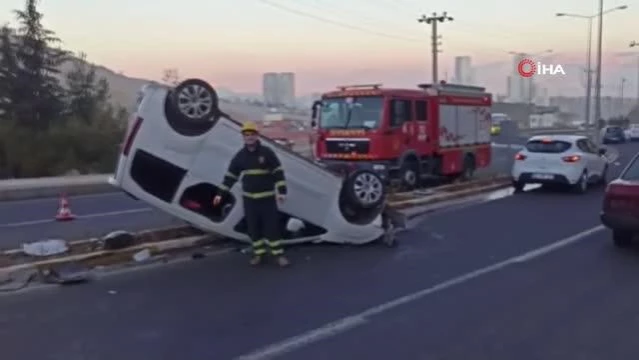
x=33, y=220
x=529, y=276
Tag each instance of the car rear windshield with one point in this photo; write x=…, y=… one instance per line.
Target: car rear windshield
x=614, y=130
x=555, y=147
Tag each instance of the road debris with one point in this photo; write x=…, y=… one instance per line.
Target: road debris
x=45, y=247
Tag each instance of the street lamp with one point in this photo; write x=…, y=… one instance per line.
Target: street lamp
x=636, y=44
x=589, y=59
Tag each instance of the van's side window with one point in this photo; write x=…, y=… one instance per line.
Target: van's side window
x=401, y=112
x=420, y=111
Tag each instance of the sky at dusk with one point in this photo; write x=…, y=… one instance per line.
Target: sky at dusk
x=330, y=42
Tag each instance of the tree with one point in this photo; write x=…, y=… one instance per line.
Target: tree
x=45, y=129
x=8, y=72
x=37, y=98
x=87, y=95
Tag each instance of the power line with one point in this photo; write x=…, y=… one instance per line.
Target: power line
x=338, y=23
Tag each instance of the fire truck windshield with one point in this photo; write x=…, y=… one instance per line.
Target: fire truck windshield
x=351, y=113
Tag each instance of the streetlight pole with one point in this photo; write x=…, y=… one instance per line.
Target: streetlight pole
x=589, y=73
x=433, y=20
x=633, y=44
x=621, y=89
x=598, y=74
x=589, y=62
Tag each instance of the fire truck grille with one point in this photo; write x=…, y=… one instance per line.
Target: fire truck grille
x=347, y=147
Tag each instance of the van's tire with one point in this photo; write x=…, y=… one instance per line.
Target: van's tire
x=195, y=101
x=364, y=189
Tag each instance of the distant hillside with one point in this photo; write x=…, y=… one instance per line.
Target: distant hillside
x=124, y=89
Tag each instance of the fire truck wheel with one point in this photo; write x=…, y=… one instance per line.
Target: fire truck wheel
x=195, y=100
x=409, y=174
x=364, y=189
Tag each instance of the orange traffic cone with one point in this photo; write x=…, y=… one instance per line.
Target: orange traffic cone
x=64, y=212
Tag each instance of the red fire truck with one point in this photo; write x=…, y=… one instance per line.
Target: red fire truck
x=436, y=130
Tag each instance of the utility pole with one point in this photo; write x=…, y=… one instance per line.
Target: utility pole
x=433, y=20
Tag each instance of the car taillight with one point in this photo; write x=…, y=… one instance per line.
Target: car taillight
x=131, y=136
x=571, y=158
x=520, y=157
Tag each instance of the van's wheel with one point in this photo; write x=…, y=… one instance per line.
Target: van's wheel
x=365, y=189
x=409, y=175
x=195, y=100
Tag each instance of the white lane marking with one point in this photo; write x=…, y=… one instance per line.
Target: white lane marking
x=340, y=326
x=88, y=216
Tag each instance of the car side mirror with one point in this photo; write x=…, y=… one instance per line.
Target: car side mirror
x=602, y=151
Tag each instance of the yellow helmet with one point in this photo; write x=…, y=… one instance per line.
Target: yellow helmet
x=249, y=126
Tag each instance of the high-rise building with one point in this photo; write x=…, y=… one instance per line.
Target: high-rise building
x=278, y=89
x=463, y=70
x=287, y=88
x=269, y=88
x=521, y=89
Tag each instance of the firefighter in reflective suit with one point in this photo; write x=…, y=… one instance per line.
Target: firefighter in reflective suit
x=263, y=184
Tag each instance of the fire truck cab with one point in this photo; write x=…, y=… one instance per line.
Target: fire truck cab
x=439, y=130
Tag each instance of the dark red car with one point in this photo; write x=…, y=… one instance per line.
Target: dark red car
x=620, y=211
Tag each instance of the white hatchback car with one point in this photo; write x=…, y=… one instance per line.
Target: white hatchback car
x=571, y=160
x=177, y=150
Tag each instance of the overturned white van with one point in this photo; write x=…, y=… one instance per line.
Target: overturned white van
x=179, y=145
